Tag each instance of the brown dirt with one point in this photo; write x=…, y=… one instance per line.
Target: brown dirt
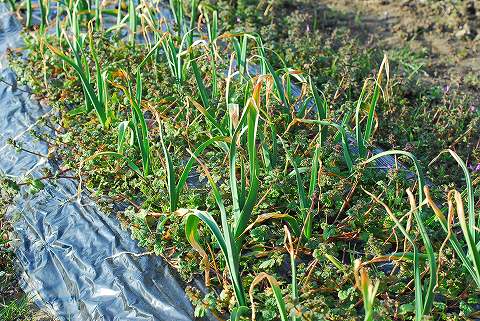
x=449, y=32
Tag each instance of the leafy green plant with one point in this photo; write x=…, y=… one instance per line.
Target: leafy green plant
x=420, y=310
x=305, y=199
x=277, y=293
x=267, y=68
x=241, y=46
x=16, y=309
x=175, y=48
x=139, y=124
x=347, y=154
x=42, y=4
x=230, y=235
x=136, y=124
x=212, y=29
x=222, y=81
x=137, y=119
x=180, y=18
x=176, y=7
x=175, y=56
x=322, y=112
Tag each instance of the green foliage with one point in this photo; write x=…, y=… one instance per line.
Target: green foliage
x=469, y=226
x=97, y=99
x=213, y=104
x=230, y=236
x=423, y=297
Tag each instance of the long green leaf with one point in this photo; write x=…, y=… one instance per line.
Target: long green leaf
x=362, y=149
x=322, y=110
x=200, y=84
x=302, y=195
x=252, y=120
x=211, y=119
x=140, y=128
x=121, y=136
x=170, y=173
x=232, y=251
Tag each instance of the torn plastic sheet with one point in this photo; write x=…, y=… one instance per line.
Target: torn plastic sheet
x=74, y=259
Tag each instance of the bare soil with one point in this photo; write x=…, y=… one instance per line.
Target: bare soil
x=447, y=31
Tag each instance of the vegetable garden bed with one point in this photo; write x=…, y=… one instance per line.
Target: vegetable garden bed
x=236, y=169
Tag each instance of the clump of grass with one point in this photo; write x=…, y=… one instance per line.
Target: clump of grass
x=175, y=185
x=94, y=99
x=138, y=122
x=137, y=118
x=15, y=309
x=231, y=234
x=307, y=199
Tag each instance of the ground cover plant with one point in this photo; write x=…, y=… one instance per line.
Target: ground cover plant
x=8, y=308
x=224, y=145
